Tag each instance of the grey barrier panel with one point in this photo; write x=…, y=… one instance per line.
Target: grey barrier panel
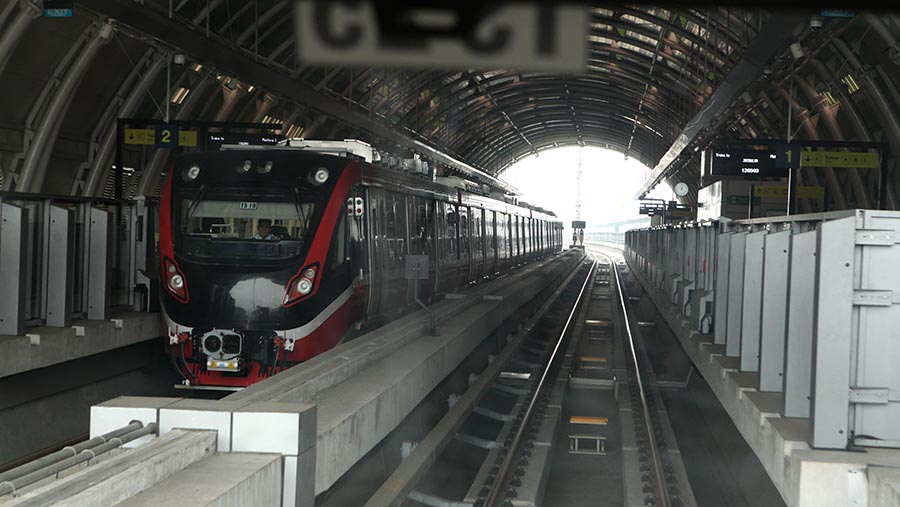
x=875, y=385
x=99, y=265
x=12, y=269
x=752, y=300
x=735, y=294
x=774, y=311
x=799, y=330
x=721, y=312
x=831, y=334
x=59, y=267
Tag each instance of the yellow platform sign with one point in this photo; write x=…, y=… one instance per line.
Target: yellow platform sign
x=139, y=136
x=775, y=191
x=187, y=138
x=841, y=159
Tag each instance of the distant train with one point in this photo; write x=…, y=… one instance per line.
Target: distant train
x=271, y=256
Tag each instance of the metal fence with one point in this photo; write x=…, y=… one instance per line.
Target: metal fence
x=64, y=258
x=605, y=237
x=808, y=302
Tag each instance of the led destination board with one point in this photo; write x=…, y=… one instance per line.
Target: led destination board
x=736, y=162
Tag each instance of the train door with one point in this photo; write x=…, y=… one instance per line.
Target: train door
x=514, y=239
x=490, y=242
x=372, y=278
x=477, y=215
x=447, y=254
x=420, y=230
x=480, y=244
x=378, y=277
x=394, y=252
x=510, y=245
x=463, y=247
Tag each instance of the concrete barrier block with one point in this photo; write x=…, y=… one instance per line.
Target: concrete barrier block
x=285, y=428
x=200, y=415
x=118, y=412
x=300, y=479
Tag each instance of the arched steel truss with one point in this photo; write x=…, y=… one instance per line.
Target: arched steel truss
x=650, y=70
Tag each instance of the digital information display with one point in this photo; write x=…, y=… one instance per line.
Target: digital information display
x=217, y=139
x=578, y=224
x=738, y=162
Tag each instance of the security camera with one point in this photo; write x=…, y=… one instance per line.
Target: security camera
x=815, y=23
x=767, y=72
x=178, y=59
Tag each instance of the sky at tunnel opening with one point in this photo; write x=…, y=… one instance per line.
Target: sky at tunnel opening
x=609, y=183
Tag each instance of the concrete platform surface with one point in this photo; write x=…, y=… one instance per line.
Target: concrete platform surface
x=884, y=487
x=46, y=346
x=222, y=480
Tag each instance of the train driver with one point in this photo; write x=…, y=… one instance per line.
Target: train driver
x=264, y=230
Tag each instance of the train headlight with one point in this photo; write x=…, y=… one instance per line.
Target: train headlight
x=304, y=286
x=301, y=286
x=191, y=173
x=265, y=168
x=175, y=280
x=318, y=176
x=212, y=344
x=245, y=167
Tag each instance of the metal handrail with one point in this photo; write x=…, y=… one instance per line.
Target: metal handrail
x=505, y=466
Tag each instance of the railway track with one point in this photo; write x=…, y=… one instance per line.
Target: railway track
x=494, y=418
x=663, y=480
x=492, y=448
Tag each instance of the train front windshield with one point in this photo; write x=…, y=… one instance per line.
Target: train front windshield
x=235, y=226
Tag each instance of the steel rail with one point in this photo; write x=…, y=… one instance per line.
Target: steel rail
x=410, y=472
x=506, y=465
x=651, y=434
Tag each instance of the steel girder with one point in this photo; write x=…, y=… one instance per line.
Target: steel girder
x=689, y=38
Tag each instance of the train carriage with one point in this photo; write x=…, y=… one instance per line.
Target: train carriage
x=273, y=256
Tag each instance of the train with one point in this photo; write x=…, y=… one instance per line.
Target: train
x=271, y=256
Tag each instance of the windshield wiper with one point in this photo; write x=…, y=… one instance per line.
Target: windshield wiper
x=194, y=203
x=295, y=193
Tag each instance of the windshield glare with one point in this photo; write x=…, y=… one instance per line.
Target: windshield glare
x=234, y=227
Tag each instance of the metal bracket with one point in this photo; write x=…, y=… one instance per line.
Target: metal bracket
x=873, y=395
x=874, y=237
x=875, y=298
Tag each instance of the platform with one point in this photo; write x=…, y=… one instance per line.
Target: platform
x=45, y=345
x=805, y=476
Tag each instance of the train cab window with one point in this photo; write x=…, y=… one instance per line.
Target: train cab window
x=243, y=227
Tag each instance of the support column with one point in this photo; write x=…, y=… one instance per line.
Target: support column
x=60, y=268
x=12, y=269
x=11, y=31
x=98, y=281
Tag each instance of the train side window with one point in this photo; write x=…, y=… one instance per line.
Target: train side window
x=338, y=252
